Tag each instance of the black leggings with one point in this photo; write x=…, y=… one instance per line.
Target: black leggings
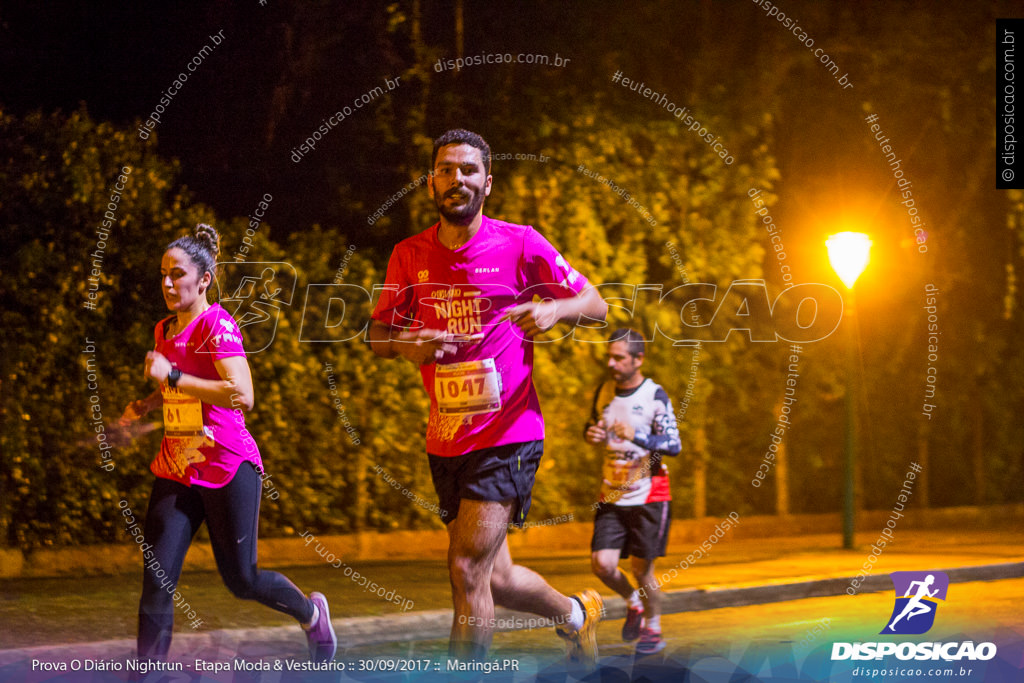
x=232, y=516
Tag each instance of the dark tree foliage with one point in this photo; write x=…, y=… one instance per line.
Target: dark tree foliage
x=615, y=180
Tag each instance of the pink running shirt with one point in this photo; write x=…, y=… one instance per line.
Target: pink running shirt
x=483, y=395
x=203, y=444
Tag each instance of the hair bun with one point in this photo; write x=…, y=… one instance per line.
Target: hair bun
x=207, y=234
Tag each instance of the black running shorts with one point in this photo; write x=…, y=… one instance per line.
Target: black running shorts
x=637, y=530
x=493, y=474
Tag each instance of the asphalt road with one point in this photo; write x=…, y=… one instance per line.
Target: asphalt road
x=978, y=611
x=774, y=642
x=92, y=608
x=789, y=640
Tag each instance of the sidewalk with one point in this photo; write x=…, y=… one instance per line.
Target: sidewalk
x=732, y=573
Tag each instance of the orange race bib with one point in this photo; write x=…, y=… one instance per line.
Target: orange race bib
x=468, y=388
x=184, y=434
x=183, y=414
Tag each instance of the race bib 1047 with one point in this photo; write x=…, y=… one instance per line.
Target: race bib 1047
x=468, y=388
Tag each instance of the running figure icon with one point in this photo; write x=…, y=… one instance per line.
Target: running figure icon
x=916, y=605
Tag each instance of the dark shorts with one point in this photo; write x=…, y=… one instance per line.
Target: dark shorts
x=491, y=474
x=637, y=530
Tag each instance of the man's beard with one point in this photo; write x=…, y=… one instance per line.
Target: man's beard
x=463, y=214
x=623, y=376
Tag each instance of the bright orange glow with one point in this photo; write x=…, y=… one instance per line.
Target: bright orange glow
x=848, y=253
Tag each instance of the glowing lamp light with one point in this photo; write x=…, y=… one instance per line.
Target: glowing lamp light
x=848, y=253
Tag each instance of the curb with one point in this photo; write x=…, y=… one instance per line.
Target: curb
x=292, y=550
x=284, y=641
x=696, y=599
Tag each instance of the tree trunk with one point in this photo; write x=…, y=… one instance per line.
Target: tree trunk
x=458, y=30
x=781, y=470
x=978, y=425
x=700, y=473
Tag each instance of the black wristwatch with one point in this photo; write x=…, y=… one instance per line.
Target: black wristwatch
x=173, y=376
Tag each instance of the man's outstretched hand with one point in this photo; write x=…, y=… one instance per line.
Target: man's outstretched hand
x=428, y=346
x=533, y=317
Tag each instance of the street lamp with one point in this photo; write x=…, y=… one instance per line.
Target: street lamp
x=848, y=253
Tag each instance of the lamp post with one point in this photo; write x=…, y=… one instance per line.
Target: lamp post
x=848, y=253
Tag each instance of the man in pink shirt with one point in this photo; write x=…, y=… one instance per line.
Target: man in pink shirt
x=459, y=302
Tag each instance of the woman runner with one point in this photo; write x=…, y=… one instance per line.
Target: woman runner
x=209, y=466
